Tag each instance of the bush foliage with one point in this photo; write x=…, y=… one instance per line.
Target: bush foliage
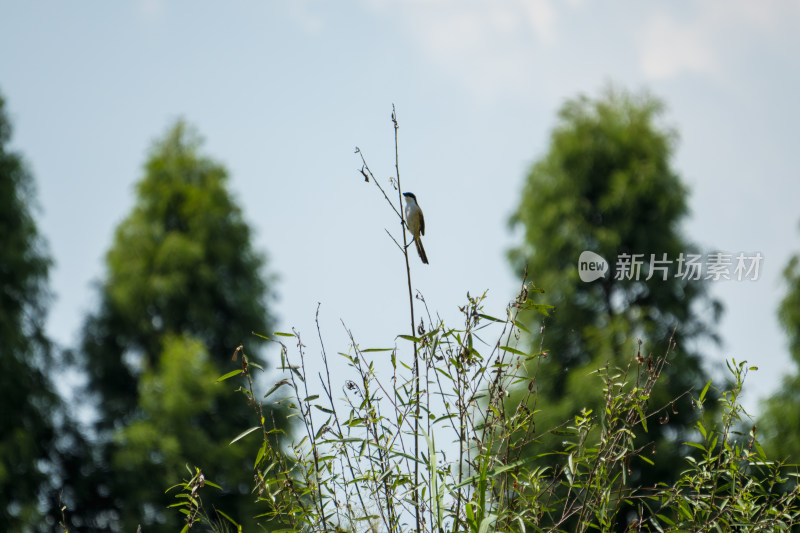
x=351, y=467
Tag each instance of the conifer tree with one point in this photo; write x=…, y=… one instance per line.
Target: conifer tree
x=183, y=288
x=607, y=185
x=26, y=394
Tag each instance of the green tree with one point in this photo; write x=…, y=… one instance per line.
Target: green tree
x=183, y=289
x=28, y=401
x=779, y=420
x=606, y=185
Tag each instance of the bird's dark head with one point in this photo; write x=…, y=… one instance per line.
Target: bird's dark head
x=410, y=195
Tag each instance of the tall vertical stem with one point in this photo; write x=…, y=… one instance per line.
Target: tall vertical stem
x=415, y=370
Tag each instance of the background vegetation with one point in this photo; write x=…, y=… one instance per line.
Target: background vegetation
x=539, y=418
x=27, y=432
x=607, y=185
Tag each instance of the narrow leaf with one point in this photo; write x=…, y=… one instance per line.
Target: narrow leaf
x=245, y=433
x=705, y=390
x=277, y=386
x=229, y=375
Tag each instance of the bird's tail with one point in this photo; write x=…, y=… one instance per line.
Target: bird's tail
x=421, y=250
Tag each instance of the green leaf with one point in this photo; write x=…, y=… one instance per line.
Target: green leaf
x=760, y=450
x=260, y=455
x=228, y=518
x=229, y=375
x=277, y=386
x=173, y=486
x=642, y=417
x=521, y=326
x=395, y=453
x=486, y=523
x=244, y=434
x=705, y=390
x=281, y=334
x=666, y=519
x=513, y=350
x=473, y=524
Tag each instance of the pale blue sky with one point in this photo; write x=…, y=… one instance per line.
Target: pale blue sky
x=283, y=92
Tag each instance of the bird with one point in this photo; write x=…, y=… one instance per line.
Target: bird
x=415, y=223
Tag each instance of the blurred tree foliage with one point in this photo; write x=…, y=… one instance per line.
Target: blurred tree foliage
x=780, y=421
x=27, y=435
x=183, y=289
x=606, y=185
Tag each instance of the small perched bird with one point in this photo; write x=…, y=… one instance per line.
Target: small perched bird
x=415, y=223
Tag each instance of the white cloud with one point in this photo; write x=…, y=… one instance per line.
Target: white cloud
x=488, y=44
x=669, y=48
x=302, y=12
x=517, y=48
x=704, y=35
x=542, y=18
x=151, y=8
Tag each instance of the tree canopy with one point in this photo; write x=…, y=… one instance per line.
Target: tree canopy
x=183, y=288
x=26, y=426
x=607, y=185
x=779, y=421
